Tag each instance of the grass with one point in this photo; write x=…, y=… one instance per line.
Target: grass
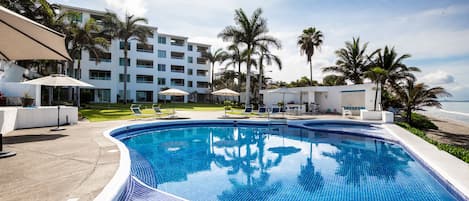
x=459, y=152
x=107, y=112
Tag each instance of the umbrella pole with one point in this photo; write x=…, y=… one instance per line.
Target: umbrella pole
x=58, y=112
x=4, y=154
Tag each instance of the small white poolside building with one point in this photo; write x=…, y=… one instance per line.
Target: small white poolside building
x=330, y=99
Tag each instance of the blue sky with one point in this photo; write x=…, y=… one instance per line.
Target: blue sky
x=435, y=33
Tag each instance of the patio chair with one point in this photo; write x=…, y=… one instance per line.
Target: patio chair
x=248, y=110
x=262, y=111
x=135, y=108
x=275, y=110
x=157, y=110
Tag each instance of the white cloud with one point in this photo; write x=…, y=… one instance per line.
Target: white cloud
x=134, y=7
x=437, y=78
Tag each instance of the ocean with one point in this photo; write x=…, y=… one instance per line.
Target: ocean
x=456, y=111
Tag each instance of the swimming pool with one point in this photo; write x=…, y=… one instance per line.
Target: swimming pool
x=221, y=161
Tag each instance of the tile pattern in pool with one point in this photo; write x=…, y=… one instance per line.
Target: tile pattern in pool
x=277, y=163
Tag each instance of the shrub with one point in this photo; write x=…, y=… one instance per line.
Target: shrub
x=422, y=122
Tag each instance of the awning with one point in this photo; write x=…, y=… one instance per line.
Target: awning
x=24, y=39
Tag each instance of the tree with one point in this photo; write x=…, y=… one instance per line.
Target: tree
x=393, y=65
x=252, y=33
x=416, y=96
x=352, y=61
x=310, y=40
x=267, y=58
x=376, y=75
x=39, y=11
x=125, y=31
x=333, y=80
x=218, y=56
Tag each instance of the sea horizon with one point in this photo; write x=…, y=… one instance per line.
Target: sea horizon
x=451, y=110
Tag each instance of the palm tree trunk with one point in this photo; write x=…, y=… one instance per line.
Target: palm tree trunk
x=78, y=75
x=248, y=79
x=126, y=43
x=376, y=95
x=211, y=83
x=409, y=115
x=239, y=81
x=310, y=73
x=260, y=83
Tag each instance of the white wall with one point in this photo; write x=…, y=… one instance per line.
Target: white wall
x=18, y=90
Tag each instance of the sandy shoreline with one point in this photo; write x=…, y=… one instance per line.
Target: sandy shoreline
x=449, y=131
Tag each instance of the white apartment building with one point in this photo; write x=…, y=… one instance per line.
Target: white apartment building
x=167, y=61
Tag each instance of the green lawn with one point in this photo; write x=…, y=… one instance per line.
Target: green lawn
x=106, y=112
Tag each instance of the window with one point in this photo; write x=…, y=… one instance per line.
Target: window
x=121, y=78
x=121, y=45
x=177, y=69
x=177, y=82
x=103, y=57
x=202, y=84
x=148, y=79
x=144, y=96
x=161, y=81
x=144, y=48
x=122, y=61
x=189, y=48
x=102, y=95
x=189, y=83
x=190, y=71
x=161, y=40
x=161, y=67
x=100, y=75
x=76, y=18
x=120, y=96
x=202, y=72
x=177, y=42
x=144, y=63
x=190, y=60
x=161, y=54
x=202, y=49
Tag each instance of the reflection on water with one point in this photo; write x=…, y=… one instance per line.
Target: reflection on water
x=275, y=163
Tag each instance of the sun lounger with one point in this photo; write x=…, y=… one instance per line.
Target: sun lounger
x=157, y=110
x=275, y=110
x=136, y=110
x=248, y=110
x=262, y=111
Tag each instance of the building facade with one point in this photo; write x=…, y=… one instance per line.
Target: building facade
x=165, y=61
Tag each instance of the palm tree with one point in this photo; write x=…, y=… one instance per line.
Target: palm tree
x=310, y=40
x=252, y=33
x=81, y=38
x=415, y=96
x=236, y=58
x=333, y=80
x=218, y=56
x=352, y=61
x=393, y=65
x=376, y=75
x=267, y=58
x=126, y=30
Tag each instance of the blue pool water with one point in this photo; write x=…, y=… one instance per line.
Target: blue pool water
x=217, y=162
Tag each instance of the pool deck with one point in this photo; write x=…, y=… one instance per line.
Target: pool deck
x=76, y=164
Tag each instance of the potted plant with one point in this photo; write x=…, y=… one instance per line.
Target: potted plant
x=27, y=100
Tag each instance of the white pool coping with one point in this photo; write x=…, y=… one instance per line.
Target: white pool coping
x=452, y=170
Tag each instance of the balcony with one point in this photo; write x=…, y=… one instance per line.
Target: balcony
x=104, y=57
x=177, y=82
x=144, y=63
x=144, y=48
x=147, y=79
x=202, y=84
x=202, y=73
x=201, y=60
x=177, y=55
x=177, y=69
x=202, y=49
x=177, y=42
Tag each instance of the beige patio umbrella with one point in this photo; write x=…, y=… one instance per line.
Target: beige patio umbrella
x=225, y=92
x=24, y=39
x=58, y=80
x=173, y=92
x=283, y=91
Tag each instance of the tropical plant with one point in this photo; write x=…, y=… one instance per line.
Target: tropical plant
x=395, y=70
x=416, y=96
x=333, y=80
x=268, y=58
x=352, y=61
x=218, y=56
x=39, y=11
x=309, y=41
x=125, y=31
x=376, y=75
x=236, y=58
x=302, y=82
x=252, y=33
